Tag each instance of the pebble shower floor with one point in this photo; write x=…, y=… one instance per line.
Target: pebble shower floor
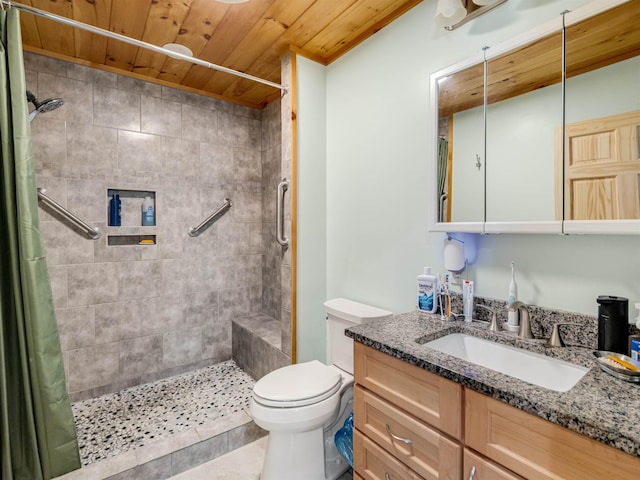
x=139, y=415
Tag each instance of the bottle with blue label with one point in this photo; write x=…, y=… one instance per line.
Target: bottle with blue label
x=148, y=212
x=115, y=211
x=427, y=291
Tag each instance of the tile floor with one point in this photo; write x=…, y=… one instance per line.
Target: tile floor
x=134, y=417
x=242, y=464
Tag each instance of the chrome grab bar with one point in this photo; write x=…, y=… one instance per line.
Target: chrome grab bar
x=93, y=233
x=283, y=186
x=195, y=231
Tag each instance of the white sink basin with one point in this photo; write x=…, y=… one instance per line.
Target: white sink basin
x=531, y=367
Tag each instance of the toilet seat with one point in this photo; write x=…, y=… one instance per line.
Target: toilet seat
x=297, y=385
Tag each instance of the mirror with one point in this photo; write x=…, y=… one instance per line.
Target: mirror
x=536, y=180
x=601, y=156
x=524, y=108
x=460, y=177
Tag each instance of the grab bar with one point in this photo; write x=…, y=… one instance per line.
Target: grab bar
x=195, y=231
x=280, y=238
x=93, y=233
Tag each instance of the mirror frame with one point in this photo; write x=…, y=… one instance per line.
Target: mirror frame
x=563, y=226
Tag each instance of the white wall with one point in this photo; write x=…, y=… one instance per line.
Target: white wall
x=311, y=285
x=377, y=125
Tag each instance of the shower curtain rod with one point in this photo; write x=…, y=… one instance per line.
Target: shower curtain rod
x=139, y=43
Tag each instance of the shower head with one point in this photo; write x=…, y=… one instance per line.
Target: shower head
x=44, y=106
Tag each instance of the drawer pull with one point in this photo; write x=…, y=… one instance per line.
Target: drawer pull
x=395, y=437
x=472, y=473
x=387, y=476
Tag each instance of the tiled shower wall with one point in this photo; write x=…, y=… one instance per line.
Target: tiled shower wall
x=128, y=314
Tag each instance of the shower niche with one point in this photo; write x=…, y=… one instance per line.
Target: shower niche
x=126, y=228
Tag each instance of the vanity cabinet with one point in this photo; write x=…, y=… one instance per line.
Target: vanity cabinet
x=408, y=421
x=413, y=424
x=536, y=448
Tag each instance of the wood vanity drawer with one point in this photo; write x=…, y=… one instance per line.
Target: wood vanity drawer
x=374, y=463
x=431, y=398
x=538, y=449
x=485, y=469
x=429, y=453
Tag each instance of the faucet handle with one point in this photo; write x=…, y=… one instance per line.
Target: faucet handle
x=493, y=325
x=555, y=340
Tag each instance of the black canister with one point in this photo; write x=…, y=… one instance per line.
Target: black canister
x=613, y=323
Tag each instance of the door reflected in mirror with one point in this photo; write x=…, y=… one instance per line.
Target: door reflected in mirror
x=602, y=159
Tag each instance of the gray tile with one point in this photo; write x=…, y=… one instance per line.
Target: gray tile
x=162, y=314
x=216, y=341
x=179, y=204
x=155, y=470
x=247, y=207
x=247, y=165
x=139, y=151
x=49, y=139
x=138, y=86
x=234, y=130
x=190, y=98
x=33, y=61
x=199, y=124
x=180, y=156
x=140, y=279
x=239, y=302
x=217, y=163
x=58, y=277
x=117, y=321
x=202, y=452
x=182, y=347
x=141, y=355
x=98, y=78
x=93, y=366
x=90, y=284
x=182, y=275
x=245, y=434
x=116, y=108
x=170, y=237
x=64, y=243
x=86, y=198
x=161, y=117
x=91, y=146
x=77, y=96
x=200, y=308
x=76, y=327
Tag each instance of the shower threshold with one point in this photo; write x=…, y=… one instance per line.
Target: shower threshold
x=163, y=428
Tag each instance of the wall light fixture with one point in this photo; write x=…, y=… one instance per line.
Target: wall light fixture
x=450, y=14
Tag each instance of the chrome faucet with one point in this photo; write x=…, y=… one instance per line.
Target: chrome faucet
x=525, y=323
x=493, y=324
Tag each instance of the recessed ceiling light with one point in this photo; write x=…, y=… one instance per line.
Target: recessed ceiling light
x=176, y=47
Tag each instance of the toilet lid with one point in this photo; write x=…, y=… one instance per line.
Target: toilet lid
x=297, y=385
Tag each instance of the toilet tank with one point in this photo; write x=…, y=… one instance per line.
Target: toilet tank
x=342, y=314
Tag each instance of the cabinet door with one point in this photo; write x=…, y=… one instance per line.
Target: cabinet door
x=479, y=468
x=429, y=397
x=538, y=449
x=374, y=463
x=425, y=450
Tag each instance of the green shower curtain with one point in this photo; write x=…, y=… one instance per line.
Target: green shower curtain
x=36, y=422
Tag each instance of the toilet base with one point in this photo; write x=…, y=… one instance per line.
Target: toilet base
x=294, y=456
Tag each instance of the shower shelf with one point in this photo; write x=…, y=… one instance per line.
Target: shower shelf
x=131, y=232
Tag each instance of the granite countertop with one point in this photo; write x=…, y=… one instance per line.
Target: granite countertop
x=599, y=406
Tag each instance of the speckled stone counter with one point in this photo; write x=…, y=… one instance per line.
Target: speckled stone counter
x=598, y=406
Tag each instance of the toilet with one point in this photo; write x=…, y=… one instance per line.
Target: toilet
x=304, y=405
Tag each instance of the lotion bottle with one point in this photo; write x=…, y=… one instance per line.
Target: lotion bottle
x=427, y=291
x=148, y=212
x=512, y=318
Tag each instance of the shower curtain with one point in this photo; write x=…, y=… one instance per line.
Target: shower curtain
x=36, y=422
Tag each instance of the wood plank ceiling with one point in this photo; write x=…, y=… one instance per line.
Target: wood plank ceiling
x=250, y=37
